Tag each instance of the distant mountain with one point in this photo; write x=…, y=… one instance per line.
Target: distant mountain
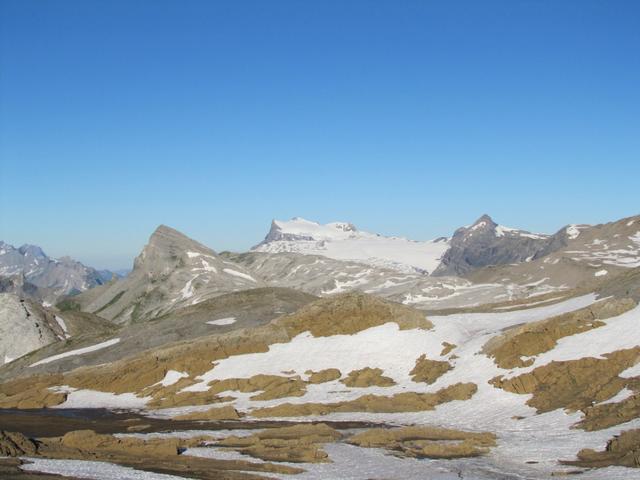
x=579, y=255
x=343, y=241
x=486, y=243
x=171, y=272
x=52, y=277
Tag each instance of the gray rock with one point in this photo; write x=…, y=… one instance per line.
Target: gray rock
x=486, y=243
x=171, y=272
x=52, y=277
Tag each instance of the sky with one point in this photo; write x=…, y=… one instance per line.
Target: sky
x=406, y=118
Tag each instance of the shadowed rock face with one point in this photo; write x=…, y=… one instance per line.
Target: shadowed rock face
x=486, y=243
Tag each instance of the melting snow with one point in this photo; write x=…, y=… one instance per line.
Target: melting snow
x=573, y=232
x=600, y=273
x=63, y=325
x=222, y=321
x=79, y=351
x=92, y=470
x=172, y=377
x=95, y=399
x=239, y=274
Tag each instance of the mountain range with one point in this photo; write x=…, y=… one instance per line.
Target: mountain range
x=495, y=353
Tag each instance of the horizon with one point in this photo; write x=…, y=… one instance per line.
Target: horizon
x=214, y=118
x=129, y=267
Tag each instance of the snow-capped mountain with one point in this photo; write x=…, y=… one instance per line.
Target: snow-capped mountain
x=343, y=241
x=56, y=277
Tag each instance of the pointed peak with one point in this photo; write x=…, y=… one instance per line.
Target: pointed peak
x=485, y=218
x=166, y=237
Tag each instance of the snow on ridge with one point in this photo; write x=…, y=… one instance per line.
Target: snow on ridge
x=342, y=241
x=235, y=273
x=573, y=231
x=222, y=321
x=79, y=351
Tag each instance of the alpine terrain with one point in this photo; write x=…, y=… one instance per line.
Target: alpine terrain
x=495, y=353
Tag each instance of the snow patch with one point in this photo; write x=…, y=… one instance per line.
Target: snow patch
x=222, y=321
x=171, y=377
x=79, y=351
x=91, y=470
x=601, y=273
x=235, y=273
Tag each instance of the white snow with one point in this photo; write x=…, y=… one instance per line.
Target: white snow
x=95, y=399
x=222, y=321
x=63, y=325
x=187, y=291
x=79, y=351
x=8, y=359
x=235, y=273
x=171, y=377
x=573, y=232
x=600, y=273
x=198, y=254
x=341, y=241
x=91, y=470
x=501, y=230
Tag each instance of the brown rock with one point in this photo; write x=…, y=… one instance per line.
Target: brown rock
x=428, y=371
x=298, y=443
x=14, y=444
x=538, y=337
x=367, y=377
x=573, y=384
x=222, y=413
x=401, y=402
x=447, y=347
x=426, y=442
x=623, y=450
x=323, y=376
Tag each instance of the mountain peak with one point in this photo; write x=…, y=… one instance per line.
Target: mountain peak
x=484, y=220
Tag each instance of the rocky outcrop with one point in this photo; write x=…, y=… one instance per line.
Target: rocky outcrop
x=270, y=386
x=351, y=313
x=367, y=377
x=221, y=413
x=14, y=444
x=401, y=402
x=607, y=415
x=155, y=454
x=323, y=376
x=25, y=326
x=426, y=442
x=428, y=371
x=623, y=450
x=573, y=384
x=298, y=443
x=538, y=337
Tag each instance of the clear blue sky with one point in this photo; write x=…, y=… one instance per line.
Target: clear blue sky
x=404, y=117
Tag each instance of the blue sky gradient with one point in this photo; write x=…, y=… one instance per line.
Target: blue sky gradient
x=403, y=117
